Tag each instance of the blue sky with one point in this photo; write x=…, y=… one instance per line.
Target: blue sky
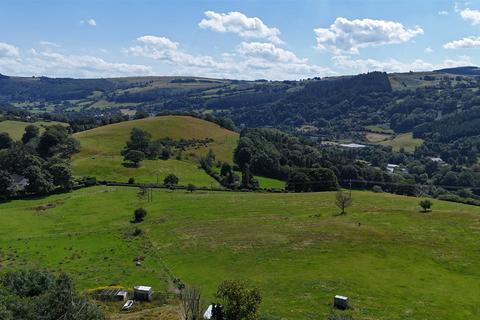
x=235, y=39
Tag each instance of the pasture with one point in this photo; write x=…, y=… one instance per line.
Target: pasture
x=404, y=141
x=393, y=261
x=101, y=147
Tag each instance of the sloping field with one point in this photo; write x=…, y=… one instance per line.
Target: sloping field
x=405, y=141
x=16, y=128
x=391, y=260
x=101, y=147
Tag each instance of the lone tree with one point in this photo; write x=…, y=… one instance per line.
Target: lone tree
x=239, y=301
x=171, y=180
x=139, y=215
x=343, y=200
x=426, y=205
x=135, y=157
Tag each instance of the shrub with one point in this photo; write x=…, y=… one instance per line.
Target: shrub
x=426, y=205
x=377, y=189
x=139, y=214
x=171, y=180
x=131, y=180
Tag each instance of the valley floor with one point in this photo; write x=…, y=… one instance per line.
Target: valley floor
x=391, y=260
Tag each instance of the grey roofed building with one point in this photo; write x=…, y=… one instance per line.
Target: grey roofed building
x=142, y=293
x=19, y=183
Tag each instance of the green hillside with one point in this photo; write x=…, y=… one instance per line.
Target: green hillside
x=101, y=147
x=404, y=141
x=393, y=261
x=16, y=128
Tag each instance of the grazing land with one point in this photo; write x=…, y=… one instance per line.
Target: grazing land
x=101, y=147
x=391, y=260
x=404, y=141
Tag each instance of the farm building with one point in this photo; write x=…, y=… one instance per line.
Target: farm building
x=352, y=145
x=111, y=294
x=142, y=293
x=438, y=160
x=340, y=302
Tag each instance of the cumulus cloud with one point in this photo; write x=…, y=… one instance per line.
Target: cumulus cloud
x=348, y=36
x=443, y=13
x=465, y=43
x=250, y=60
x=394, y=65
x=473, y=16
x=428, y=50
x=237, y=22
x=8, y=51
x=268, y=51
x=91, y=22
x=49, y=63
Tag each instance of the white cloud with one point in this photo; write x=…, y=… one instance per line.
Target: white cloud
x=49, y=44
x=443, y=13
x=8, y=51
x=348, y=36
x=393, y=65
x=237, y=22
x=53, y=64
x=473, y=16
x=428, y=50
x=91, y=22
x=251, y=60
x=469, y=42
x=160, y=42
x=268, y=51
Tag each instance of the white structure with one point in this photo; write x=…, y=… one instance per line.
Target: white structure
x=142, y=293
x=208, y=314
x=438, y=160
x=352, y=145
x=392, y=167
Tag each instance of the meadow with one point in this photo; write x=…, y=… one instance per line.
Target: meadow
x=404, y=141
x=101, y=147
x=393, y=261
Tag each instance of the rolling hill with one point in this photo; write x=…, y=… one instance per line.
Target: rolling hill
x=393, y=261
x=101, y=147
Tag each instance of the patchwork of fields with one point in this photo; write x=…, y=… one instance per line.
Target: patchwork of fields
x=393, y=261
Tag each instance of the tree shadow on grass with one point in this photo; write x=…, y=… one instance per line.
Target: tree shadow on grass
x=130, y=165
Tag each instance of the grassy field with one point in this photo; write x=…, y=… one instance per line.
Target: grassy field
x=405, y=141
x=393, y=261
x=269, y=183
x=16, y=128
x=101, y=147
x=379, y=129
x=377, y=137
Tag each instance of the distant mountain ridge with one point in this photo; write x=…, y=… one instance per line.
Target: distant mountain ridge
x=465, y=71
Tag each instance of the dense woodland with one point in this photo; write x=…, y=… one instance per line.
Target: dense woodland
x=38, y=164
